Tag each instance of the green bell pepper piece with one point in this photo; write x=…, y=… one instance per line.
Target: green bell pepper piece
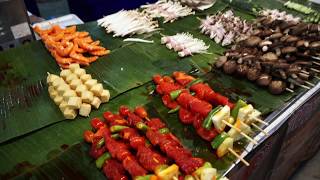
x=219, y=140
x=207, y=123
x=100, y=161
x=235, y=110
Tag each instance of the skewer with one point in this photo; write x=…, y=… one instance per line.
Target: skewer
x=317, y=77
x=242, y=133
x=303, y=86
x=260, y=121
x=316, y=63
x=309, y=83
x=238, y=157
x=147, y=118
x=289, y=90
x=315, y=70
x=257, y=127
x=305, y=72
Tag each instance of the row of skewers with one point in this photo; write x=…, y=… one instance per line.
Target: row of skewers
x=210, y=113
x=167, y=9
x=185, y=44
x=69, y=46
x=130, y=144
x=225, y=28
x=279, y=54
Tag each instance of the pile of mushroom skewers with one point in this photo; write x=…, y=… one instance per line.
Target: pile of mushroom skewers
x=225, y=28
x=279, y=55
x=125, y=23
x=169, y=10
x=185, y=44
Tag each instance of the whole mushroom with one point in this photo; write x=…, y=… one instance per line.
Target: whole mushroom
x=230, y=67
x=253, y=74
x=277, y=87
x=264, y=80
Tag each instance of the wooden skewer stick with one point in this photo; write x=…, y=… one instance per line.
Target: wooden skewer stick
x=289, y=90
x=147, y=118
x=305, y=72
x=303, y=86
x=309, y=83
x=317, y=77
x=242, y=133
x=316, y=63
x=257, y=127
x=260, y=121
x=315, y=70
x=238, y=156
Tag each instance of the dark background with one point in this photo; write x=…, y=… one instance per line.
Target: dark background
x=86, y=10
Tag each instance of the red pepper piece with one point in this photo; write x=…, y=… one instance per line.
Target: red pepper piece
x=88, y=136
x=168, y=79
x=96, y=123
x=185, y=116
x=157, y=79
x=141, y=112
x=166, y=99
x=124, y=111
x=113, y=170
x=182, y=78
x=155, y=124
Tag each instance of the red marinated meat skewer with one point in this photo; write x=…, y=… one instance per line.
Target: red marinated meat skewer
x=118, y=150
x=148, y=158
x=192, y=110
x=202, y=90
x=112, y=169
x=168, y=143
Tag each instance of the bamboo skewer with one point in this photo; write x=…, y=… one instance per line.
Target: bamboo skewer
x=303, y=86
x=289, y=90
x=305, y=72
x=260, y=121
x=238, y=157
x=309, y=83
x=242, y=133
x=257, y=127
x=316, y=63
x=315, y=70
x=317, y=77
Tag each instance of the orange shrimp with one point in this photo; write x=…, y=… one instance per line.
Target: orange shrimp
x=100, y=52
x=83, y=34
x=58, y=37
x=89, y=47
x=92, y=59
x=95, y=43
x=70, y=30
x=87, y=39
x=64, y=49
x=61, y=60
x=78, y=57
x=40, y=31
x=80, y=50
x=56, y=29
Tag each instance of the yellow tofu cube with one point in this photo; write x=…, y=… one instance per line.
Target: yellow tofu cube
x=65, y=73
x=97, y=89
x=80, y=89
x=85, y=109
x=69, y=113
x=85, y=77
x=96, y=102
x=74, y=66
x=90, y=83
x=105, y=96
x=74, y=83
x=87, y=96
x=74, y=102
x=79, y=72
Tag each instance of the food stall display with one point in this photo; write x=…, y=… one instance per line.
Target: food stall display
x=190, y=121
